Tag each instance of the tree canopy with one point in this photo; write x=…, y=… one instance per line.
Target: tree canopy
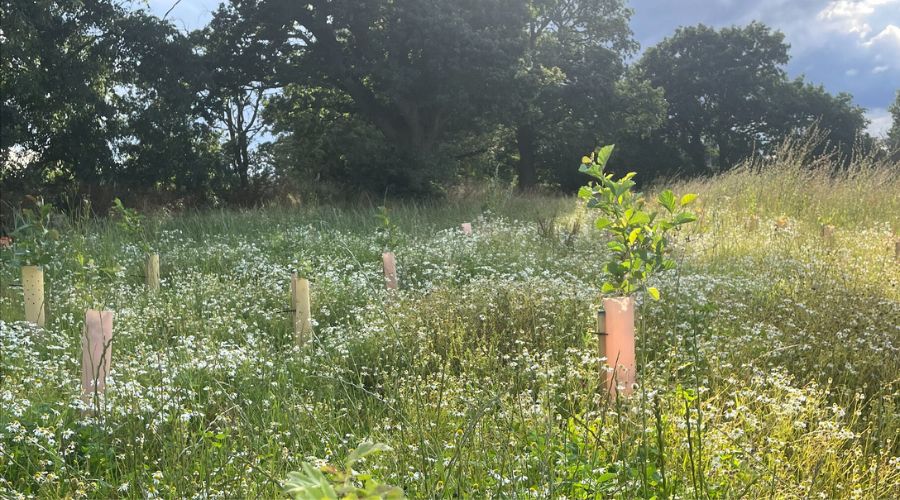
x=405, y=97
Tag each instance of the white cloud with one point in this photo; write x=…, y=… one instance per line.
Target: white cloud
x=852, y=16
x=879, y=122
x=889, y=36
x=880, y=69
x=851, y=72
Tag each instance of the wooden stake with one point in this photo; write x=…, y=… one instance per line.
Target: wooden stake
x=301, y=310
x=828, y=233
x=466, y=228
x=96, y=351
x=897, y=249
x=151, y=271
x=600, y=329
x=753, y=223
x=390, y=271
x=33, y=287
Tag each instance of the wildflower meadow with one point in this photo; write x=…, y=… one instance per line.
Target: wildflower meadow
x=768, y=368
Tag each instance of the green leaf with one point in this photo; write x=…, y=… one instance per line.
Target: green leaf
x=633, y=236
x=585, y=193
x=667, y=199
x=364, y=449
x=602, y=222
x=684, y=218
x=308, y=483
x=603, y=155
x=607, y=288
x=640, y=217
x=687, y=199
x=653, y=292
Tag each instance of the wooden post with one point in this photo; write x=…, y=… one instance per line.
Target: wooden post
x=466, y=228
x=33, y=287
x=390, y=271
x=897, y=249
x=600, y=329
x=301, y=310
x=620, y=355
x=753, y=223
x=151, y=271
x=96, y=351
x=828, y=233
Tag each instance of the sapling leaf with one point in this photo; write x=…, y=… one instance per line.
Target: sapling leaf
x=607, y=287
x=634, y=235
x=684, y=218
x=640, y=218
x=602, y=222
x=603, y=155
x=687, y=199
x=653, y=292
x=667, y=200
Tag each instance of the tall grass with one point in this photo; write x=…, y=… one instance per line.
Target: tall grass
x=769, y=369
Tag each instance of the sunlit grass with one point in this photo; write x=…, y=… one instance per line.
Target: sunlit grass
x=770, y=367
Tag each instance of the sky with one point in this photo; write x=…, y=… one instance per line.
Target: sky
x=846, y=45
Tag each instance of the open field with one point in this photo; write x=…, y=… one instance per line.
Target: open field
x=770, y=368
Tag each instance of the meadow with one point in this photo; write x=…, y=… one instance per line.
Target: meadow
x=769, y=368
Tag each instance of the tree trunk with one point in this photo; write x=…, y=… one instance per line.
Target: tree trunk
x=526, y=168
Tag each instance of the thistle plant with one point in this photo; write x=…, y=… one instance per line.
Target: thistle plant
x=330, y=482
x=639, y=244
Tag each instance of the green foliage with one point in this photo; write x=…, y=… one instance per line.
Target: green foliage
x=387, y=233
x=34, y=236
x=639, y=246
x=893, y=135
x=330, y=482
x=729, y=97
x=131, y=223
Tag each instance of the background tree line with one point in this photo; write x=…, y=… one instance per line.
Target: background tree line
x=400, y=97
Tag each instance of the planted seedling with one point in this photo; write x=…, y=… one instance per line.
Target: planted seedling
x=639, y=243
x=33, y=239
x=639, y=250
x=135, y=227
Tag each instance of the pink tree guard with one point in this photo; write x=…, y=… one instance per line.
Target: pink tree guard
x=466, y=228
x=619, y=341
x=390, y=270
x=96, y=351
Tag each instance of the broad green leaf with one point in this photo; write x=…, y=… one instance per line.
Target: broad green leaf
x=603, y=155
x=607, y=288
x=684, y=218
x=634, y=235
x=640, y=218
x=585, y=193
x=667, y=199
x=615, y=246
x=602, y=222
x=687, y=199
x=653, y=292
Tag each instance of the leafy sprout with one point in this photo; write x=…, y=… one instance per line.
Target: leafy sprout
x=639, y=244
x=330, y=482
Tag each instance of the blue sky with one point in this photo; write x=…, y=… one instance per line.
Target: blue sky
x=846, y=45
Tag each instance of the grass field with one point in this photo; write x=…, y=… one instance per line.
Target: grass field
x=770, y=368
